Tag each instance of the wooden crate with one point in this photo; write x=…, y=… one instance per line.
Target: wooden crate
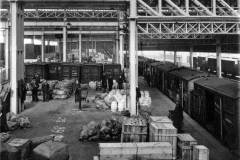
x=185, y=144
x=134, y=130
x=23, y=145
x=164, y=132
x=132, y=151
x=160, y=119
x=200, y=152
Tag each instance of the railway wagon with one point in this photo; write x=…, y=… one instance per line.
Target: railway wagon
x=35, y=68
x=181, y=82
x=114, y=69
x=162, y=72
x=216, y=105
x=71, y=70
x=54, y=71
x=91, y=72
x=154, y=73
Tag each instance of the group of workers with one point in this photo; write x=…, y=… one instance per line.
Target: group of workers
x=34, y=87
x=109, y=83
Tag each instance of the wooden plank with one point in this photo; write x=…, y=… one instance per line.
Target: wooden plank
x=132, y=151
x=160, y=119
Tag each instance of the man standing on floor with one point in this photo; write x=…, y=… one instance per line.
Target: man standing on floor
x=45, y=90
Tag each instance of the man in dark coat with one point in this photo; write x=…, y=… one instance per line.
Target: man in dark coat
x=110, y=82
x=78, y=96
x=104, y=82
x=178, y=115
x=120, y=82
x=45, y=91
x=34, y=86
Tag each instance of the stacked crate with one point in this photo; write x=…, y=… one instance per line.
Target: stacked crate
x=132, y=151
x=164, y=132
x=134, y=130
x=200, y=152
x=185, y=145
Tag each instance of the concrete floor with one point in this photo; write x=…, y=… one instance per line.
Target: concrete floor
x=44, y=115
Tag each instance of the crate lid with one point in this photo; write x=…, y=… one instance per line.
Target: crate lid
x=185, y=137
x=17, y=142
x=200, y=147
x=160, y=119
x=163, y=126
x=135, y=121
x=134, y=145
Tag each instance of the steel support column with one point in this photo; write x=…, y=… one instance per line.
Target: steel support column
x=238, y=5
x=80, y=47
x=64, y=44
x=121, y=50
x=191, y=57
x=43, y=48
x=219, y=62
x=175, y=57
x=187, y=6
x=7, y=52
x=132, y=55
x=117, y=48
x=164, y=56
x=160, y=7
x=214, y=6
x=16, y=57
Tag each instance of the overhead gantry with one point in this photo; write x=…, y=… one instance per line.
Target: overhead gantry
x=137, y=19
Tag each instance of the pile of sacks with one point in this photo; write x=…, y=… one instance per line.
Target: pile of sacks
x=14, y=121
x=107, y=130
x=39, y=148
x=63, y=89
x=142, y=82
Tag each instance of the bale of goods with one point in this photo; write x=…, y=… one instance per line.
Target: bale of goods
x=114, y=106
x=23, y=145
x=132, y=151
x=160, y=119
x=92, y=85
x=200, y=152
x=51, y=151
x=160, y=132
x=8, y=152
x=39, y=140
x=4, y=137
x=134, y=129
x=185, y=143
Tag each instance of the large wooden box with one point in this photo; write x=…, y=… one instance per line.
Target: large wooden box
x=133, y=151
x=23, y=145
x=160, y=119
x=134, y=130
x=200, y=152
x=164, y=132
x=185, y=143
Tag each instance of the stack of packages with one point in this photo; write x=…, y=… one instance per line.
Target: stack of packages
x=63, y=89
x=117, y=99
x=162, y=130
x=145, y=104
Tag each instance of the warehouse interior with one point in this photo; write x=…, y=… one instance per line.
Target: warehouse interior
x=120, y=79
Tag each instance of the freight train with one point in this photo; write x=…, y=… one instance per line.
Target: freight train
x=213, y=102
x=59, y=71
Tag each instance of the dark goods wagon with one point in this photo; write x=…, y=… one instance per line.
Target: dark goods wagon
x=181, y=81
x=71, y=70
x=54, y=71
x=162, y=72
x=216, y=105
x=35, y=68
x=114, y=69
x=91, y=72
